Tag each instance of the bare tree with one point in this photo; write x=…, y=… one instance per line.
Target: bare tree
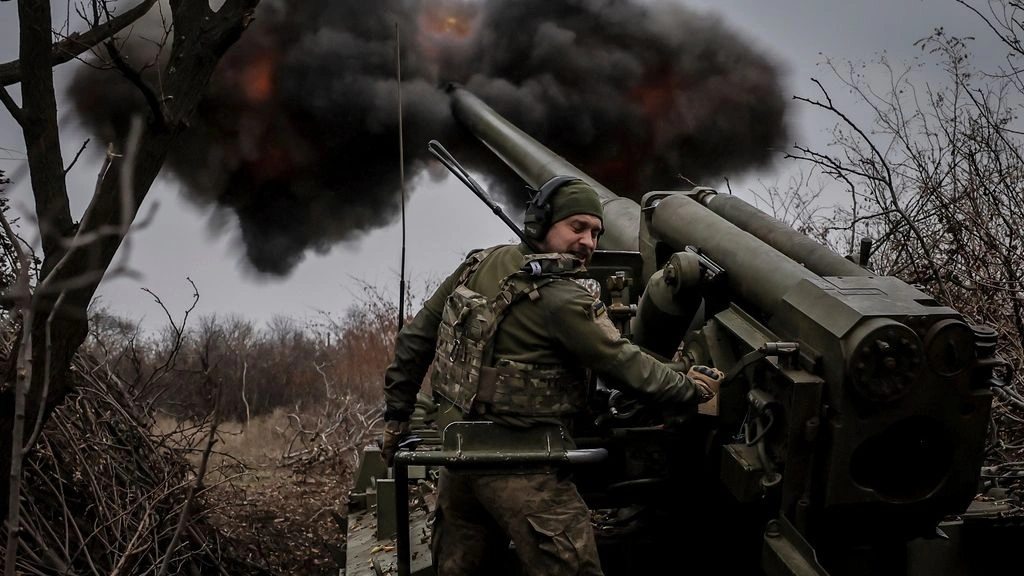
x=76, y=255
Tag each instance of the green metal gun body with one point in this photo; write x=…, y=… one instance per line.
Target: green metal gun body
x=865, y=433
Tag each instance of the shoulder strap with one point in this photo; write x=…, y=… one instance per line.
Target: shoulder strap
x=513, y=289
x=473, y=262
x=551, y=264
x=538, y=270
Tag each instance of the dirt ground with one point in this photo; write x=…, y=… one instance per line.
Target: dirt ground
x=276, y=519
x=279, y=522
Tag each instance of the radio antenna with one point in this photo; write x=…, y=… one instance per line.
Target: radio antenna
x=401, y=172
x=455, y=168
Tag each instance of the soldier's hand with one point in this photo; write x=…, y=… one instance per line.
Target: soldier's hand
x=394, y=433
x=707, y=381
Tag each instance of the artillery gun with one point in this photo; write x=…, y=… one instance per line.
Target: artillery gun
x=847, y=438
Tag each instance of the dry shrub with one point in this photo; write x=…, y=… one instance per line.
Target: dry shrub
x=103, y=493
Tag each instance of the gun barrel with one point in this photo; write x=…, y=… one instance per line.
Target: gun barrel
x=757, y=272
x=536, y=164
x=759, y=251
x=799, y=247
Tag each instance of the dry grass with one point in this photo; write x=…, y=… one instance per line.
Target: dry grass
x=277, y=511
x=261, y=443
x=244, y=455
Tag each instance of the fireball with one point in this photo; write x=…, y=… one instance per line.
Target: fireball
x=258, y=78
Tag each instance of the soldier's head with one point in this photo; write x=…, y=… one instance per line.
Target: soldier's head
x=573, y=219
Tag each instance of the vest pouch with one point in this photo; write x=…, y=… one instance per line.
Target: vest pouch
x=462, y=340
x=524, y=389
x=463, y=373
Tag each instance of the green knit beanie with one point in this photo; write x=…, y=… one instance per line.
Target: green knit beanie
x=576, y=197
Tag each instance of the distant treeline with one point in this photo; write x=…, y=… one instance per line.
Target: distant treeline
x=247, y=370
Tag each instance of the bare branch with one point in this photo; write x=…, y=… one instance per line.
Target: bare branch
x=1009, y=40
x=11, y=105
x=9, y=231
x=197, y=487
x=22, y=382
x=50, y=284
x=46, y=380
x=887, y=180
x=77, y=154
x=133, y=76
x=76, y=44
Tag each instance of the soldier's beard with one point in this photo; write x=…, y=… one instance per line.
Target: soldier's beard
x=583, y=255
x=552, y=244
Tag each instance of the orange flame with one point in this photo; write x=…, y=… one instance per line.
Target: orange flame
x=258, y=78
x=452, y=20
x=274, y=161
x=445, y=25
x=657, y=97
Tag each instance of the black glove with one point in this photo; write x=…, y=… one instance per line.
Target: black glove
x=394, y=433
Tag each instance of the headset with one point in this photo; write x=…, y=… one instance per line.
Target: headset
x=538, y=210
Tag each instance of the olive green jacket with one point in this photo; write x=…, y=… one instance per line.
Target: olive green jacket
x=562, y=327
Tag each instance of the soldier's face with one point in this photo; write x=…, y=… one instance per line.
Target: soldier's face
x=574, y=235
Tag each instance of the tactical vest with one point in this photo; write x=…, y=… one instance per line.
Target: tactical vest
x=464, y=370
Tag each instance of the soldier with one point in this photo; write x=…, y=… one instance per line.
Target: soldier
x=511, y=336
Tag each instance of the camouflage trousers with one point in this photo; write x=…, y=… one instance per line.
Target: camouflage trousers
x=543, y=515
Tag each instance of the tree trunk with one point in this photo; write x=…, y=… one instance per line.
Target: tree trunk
x=201, y=37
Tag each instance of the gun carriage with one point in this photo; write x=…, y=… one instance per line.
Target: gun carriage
x=847, y=438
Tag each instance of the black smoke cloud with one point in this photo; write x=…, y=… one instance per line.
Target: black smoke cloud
x=298, y=134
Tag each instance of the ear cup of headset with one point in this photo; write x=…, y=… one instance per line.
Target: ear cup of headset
x=538, y=212
x=535, y=223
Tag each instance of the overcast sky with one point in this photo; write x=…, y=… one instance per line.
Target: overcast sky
x=445, y=220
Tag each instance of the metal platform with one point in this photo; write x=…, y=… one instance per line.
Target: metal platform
x=368, y=556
